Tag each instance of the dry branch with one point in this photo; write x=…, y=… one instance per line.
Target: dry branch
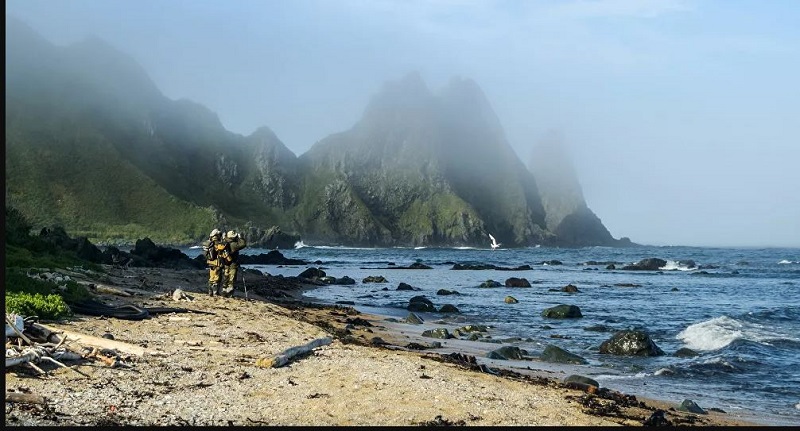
x=288, y=354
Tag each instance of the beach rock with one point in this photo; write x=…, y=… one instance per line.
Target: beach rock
x=562, y=311
x=688, y=263
x=570, y=288
x=507, y=352
x=649, y=264
x=449, y=308
x=657, y=419
x=420, y=303
x=690, y=406
x=418, y=265
x=611, y=266
x=517, y=282
x=328, y=279
x=511, y=300
x=442, y=333
x=685, y=352
x=446, y=292
x=312, y=273
x=558, y=355
x=414, y=319
x=474, y=328
x=630, y=343
x=576, y=378
x=490, y=283
x=405, y=286
x=375, y=279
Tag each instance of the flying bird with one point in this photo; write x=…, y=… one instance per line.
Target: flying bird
x=494, y=244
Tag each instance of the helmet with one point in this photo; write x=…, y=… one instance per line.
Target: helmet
x=214, y=233
x=231, y=234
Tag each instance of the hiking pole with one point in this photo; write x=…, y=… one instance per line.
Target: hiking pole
x=244, y=283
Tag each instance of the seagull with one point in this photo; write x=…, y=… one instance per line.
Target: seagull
x=494, y=244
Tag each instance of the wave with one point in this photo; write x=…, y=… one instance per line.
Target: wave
x=195, y=247
x=788, y=262
x=678, y=265
x=719, y=332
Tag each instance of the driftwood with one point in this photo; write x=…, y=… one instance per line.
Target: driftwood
x=287, y=355
x=18, y=397
x=102, y=343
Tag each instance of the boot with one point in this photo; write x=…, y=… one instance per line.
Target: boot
x=212, y=290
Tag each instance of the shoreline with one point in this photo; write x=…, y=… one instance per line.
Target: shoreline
x=357, y=379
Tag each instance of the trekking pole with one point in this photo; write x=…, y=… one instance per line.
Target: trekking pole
x=244, y=283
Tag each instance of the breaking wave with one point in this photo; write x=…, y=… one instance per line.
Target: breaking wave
x=719, y=332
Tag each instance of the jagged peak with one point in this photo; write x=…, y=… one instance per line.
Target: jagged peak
x=409, y=92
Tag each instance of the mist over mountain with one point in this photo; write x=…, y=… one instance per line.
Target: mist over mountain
x=93, y=145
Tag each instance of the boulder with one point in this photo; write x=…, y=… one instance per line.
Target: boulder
x=405, y=286
x=313, y=273
x=446, y=292
x=442, y=333
x=511, y=300
x=517, y=282
x=490, y=283
x=507, y=352
x=630, y=343
x=345, y=281
x=414, y=319
x=570, y=288
x=449, y=308
x=562, y=311
x=375, y=279
x=558, y=355
x=649, y=264
x=420, y=303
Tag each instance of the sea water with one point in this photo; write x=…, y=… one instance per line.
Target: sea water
x=738, y=308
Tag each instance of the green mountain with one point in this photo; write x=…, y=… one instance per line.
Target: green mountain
x=93, y=145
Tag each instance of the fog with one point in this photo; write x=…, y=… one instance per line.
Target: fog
x=682, y=117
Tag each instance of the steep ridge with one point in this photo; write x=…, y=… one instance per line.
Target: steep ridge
x=93, y=145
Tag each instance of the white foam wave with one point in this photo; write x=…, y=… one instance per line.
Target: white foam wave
x=464, y=248
x=720, y=331
x=420, y=248
x=676, y=265
x=787, y=262
x=195, y=247
x=300, y=244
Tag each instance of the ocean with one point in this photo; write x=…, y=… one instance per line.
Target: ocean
x=739, y=308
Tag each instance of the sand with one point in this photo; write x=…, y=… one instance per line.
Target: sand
x=202, y=369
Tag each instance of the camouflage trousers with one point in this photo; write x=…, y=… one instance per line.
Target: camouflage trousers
x=215, y=279
x=229, y=278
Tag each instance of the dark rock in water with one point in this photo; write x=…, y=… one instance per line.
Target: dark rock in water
x=511, y=300
x=449, y=308
x=690, y=406
x=414, y=319
x=657, y=419
x=611, y=266
x=674, y=289
x=274, y=257
x=552, y=262
x=418, y=265
x=649, y=264
x=570, y=288
x=442, y=333
x=420, y=303
x=575, y=378
x=558, y=355
x=689, y=263
x=630, y=343
x=517, y=282
x=735, y=272
x=685, y=352
x=597, y=328
x=474, y=328
x=346, y=302
x=344, y=281
x=446, y=292
x=328, y=279
x=627, y=285
x=405, y=286
x=375, y=279
x=707, y=267
x=313, y=273
x=490, y=283
x=562, y=311
x=507, y=352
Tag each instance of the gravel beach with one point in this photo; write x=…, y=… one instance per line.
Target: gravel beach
x=212, y=369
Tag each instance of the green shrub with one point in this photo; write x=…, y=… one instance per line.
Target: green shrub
x=48, y=307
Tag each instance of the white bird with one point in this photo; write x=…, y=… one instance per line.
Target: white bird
x=494, y=244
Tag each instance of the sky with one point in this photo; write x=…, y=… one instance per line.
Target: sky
x=682, y=117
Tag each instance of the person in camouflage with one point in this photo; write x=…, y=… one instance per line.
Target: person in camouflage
x=213, y=249
x=230, y=260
